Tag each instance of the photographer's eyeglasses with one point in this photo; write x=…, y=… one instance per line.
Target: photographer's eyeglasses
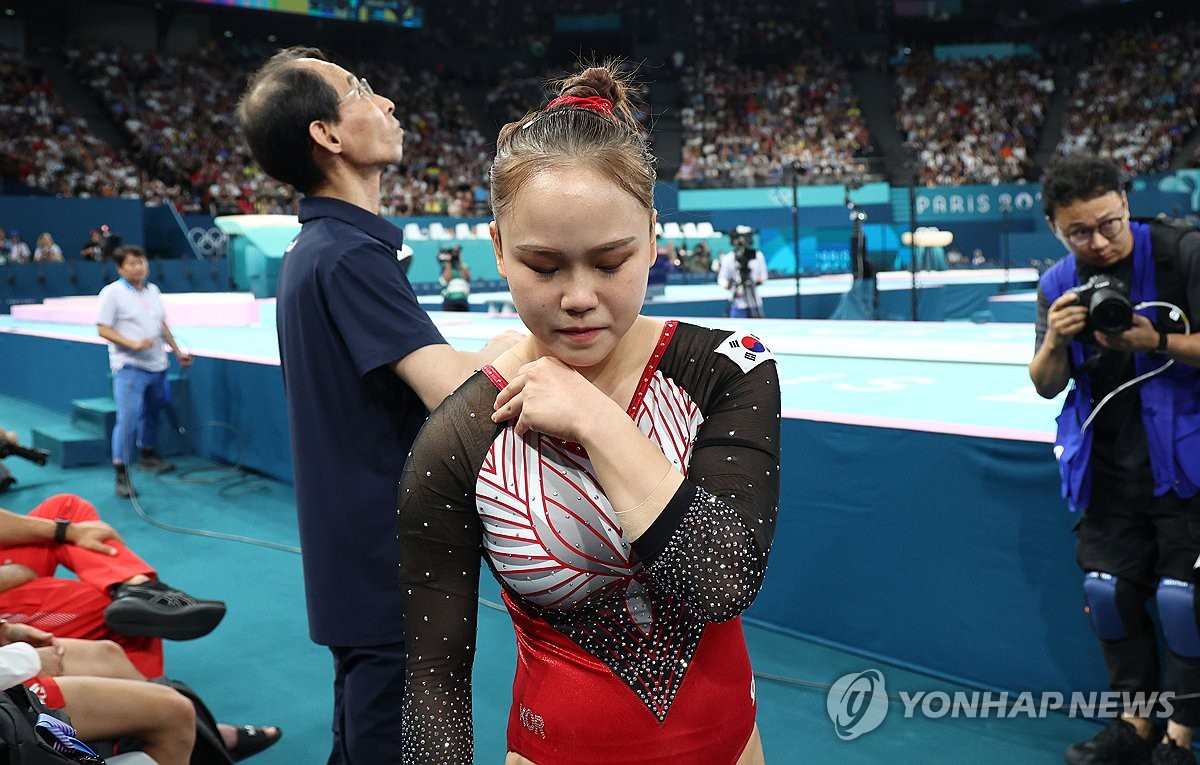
x=362, y=88
x=1110, y=229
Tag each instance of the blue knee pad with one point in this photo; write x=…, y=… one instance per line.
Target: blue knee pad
x=1102, y=591
x=1177, y=612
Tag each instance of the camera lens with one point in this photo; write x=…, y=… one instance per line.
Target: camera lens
x=1110, y=311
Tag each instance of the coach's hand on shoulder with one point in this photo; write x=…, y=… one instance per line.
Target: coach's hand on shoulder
x=501, y=343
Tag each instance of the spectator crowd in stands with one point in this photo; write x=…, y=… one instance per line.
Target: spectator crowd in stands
x=46, y=148
x=762, y=92
x=1136, y=99
x=972, y=120
x=747, y=126
x=749, y=119
x=178, y=115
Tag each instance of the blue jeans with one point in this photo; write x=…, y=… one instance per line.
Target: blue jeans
x=140, y=396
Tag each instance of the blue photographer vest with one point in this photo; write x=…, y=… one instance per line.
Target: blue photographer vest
x=1170, y=400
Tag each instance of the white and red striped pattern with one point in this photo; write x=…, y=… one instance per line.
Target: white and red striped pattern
x=549, y=530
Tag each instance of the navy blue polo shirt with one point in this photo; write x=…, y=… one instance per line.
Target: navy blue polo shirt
x=345, y=314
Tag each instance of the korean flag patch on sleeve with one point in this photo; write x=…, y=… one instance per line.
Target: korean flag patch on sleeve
x=747, y=351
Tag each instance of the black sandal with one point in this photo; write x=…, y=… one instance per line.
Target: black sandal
x=252, y=739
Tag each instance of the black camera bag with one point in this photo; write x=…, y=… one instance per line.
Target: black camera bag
x=19, y=742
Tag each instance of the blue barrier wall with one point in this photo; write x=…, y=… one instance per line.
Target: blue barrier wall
x=53, y=373
x=70, y=221
x=975, y=581
x=166, y=234
x=974, y=214
x=34, y=282
x=234, y=413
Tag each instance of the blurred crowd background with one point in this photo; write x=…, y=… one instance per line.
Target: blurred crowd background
x=136, y=99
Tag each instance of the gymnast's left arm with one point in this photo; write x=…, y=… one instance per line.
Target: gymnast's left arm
x=710, y=543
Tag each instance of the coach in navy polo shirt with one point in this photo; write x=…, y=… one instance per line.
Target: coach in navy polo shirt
x=362, y=364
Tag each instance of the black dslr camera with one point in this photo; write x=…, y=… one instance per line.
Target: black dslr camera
x=1109, y=309
x=36, y=456
x=451, y=255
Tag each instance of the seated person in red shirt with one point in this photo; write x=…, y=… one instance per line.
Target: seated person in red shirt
x=118, y=596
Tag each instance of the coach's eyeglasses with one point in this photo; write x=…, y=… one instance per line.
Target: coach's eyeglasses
x=362, y=88
x=1110, y=229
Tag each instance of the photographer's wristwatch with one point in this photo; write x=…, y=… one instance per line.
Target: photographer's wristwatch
x=1161, y=350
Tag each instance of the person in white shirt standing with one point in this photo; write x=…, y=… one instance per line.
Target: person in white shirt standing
x=132, y=320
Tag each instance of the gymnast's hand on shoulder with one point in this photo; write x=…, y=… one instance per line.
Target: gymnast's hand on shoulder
x=550, y=397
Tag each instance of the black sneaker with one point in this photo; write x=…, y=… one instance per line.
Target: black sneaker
x=154, y=609
x=150, y=460
x=123, y=488
x=1118, y=744
x=1169, y=754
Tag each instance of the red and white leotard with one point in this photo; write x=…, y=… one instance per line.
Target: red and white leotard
x=626, y=652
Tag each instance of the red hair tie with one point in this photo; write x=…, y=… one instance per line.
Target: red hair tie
x=591, y=103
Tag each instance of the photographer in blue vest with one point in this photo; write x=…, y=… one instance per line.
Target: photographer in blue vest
x=1128, y=442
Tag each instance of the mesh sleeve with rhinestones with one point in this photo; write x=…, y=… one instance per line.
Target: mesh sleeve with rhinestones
x=709, y=546
x=439, y=575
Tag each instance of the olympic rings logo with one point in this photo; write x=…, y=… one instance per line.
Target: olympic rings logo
x=209, y=242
